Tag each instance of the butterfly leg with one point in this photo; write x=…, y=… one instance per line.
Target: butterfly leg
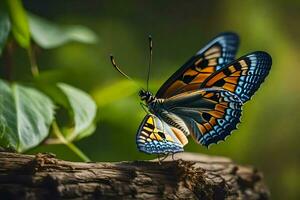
x=144, y=106
x=165, y=156
x=158, y=158
x=173, y=156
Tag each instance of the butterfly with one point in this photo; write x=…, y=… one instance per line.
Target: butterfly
x=203, y=98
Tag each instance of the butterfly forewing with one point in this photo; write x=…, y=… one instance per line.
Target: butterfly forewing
x=243, y=76
x=156, y=137
x=210, y=114
x=220, y=51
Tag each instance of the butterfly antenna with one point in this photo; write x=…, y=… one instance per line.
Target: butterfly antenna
x=150, y=60
x=112, y=59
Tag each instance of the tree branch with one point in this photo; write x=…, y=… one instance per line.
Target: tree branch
x=190, y=176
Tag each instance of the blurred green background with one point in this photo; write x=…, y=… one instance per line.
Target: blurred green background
x=268, y=135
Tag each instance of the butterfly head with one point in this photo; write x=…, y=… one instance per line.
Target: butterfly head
x=146, y=96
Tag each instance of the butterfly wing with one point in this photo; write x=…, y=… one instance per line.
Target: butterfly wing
x=156, y=137
x=210, y=114
x=243, y=76
x=215, y=55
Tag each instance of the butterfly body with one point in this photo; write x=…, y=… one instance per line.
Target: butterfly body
x=204, y=98
x=157, y=107
x=152, y=103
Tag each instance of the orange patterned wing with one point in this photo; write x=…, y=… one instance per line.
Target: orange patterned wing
x=243, y=76
x=210, y=114
x=219, y=52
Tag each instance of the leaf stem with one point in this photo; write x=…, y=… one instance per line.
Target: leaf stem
x=33, y=63
x=69, y=144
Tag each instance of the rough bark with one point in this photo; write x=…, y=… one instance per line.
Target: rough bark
x=189, y=176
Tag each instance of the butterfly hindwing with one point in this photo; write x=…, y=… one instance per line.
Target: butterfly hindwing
x=210, y=114
x=243, y=76
x=156, y=137
x=215, y=55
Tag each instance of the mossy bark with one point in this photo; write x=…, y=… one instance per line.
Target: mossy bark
x=189, y=176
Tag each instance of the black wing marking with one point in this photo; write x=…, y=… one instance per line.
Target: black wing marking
x=215, y=55
x=243, y=76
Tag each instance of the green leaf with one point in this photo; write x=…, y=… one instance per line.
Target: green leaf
x=25, y=116
x=83, y=110
x=50, y=35
x=81, y=34
x=86, y=132
x=20, y=27
x=4, y=30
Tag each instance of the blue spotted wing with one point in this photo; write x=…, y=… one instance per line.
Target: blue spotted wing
x=156, y=137
x=214, y=56
x=243, y=76
x=210, y=114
